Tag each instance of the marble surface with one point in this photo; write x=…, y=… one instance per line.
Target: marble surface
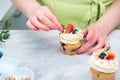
x=5, y=5
x=40, y=52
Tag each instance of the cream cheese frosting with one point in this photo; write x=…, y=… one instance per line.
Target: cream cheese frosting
x=103, y=65
x=69, y=38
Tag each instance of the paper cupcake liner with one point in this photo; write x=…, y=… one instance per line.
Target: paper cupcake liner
x=96, y=75
x=70, y=49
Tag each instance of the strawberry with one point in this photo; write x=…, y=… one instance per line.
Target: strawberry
x=69, y=28
x=110, y=55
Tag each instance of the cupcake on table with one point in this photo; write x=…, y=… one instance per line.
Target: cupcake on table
x=103, y=65
x=70, y=40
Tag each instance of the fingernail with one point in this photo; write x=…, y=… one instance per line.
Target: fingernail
x=88, y=38
x=46, y=29
x=36, y=29
x=90, y=52
x=79, y=51
x=60, y=29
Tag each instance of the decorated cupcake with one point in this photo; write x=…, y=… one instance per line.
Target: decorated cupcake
x=70, y=40
x=103, y=65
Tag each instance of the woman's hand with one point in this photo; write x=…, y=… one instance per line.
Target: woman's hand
x=43, y=19
x=97, y=33
x=96, y=38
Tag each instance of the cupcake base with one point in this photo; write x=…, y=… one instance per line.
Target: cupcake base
x=70, y=49
x=96, y=75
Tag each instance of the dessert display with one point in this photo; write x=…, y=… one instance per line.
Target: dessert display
x=103, y=65
x=70, y=40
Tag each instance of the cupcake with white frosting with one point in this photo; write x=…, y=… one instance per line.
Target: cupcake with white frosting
x=70, y=40
x=103, y=65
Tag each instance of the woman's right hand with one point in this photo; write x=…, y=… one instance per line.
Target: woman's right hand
x=43, y=19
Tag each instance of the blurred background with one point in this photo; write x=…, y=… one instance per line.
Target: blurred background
x=10, y=15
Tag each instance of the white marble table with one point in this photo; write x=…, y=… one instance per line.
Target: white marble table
x=6, y=9
x=40, y=52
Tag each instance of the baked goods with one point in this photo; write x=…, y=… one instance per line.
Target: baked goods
x=70, y=40
x=9, y=78
x=12, y=78
x=103, y=65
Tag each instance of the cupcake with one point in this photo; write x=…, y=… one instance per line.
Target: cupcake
x=103, y=65
x=70, y=40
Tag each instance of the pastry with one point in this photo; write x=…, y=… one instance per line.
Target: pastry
x=103, y=65
x=70, y=40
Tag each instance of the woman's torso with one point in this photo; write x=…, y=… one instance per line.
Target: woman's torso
x=80, y=13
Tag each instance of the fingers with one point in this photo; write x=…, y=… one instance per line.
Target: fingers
x=43, y=19
x=47, y=22
x=89, y=43
x=53, y=19
x=85, y=31
x=93, y=37
x=34, y=24
x=31, y=26
x=100, y=44
x=88, y=34
x=38, y=24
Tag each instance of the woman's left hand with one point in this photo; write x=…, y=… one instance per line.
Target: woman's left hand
x=96, y=38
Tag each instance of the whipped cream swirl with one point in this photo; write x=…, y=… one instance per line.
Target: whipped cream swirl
x=69, y=38
x=103, y=65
